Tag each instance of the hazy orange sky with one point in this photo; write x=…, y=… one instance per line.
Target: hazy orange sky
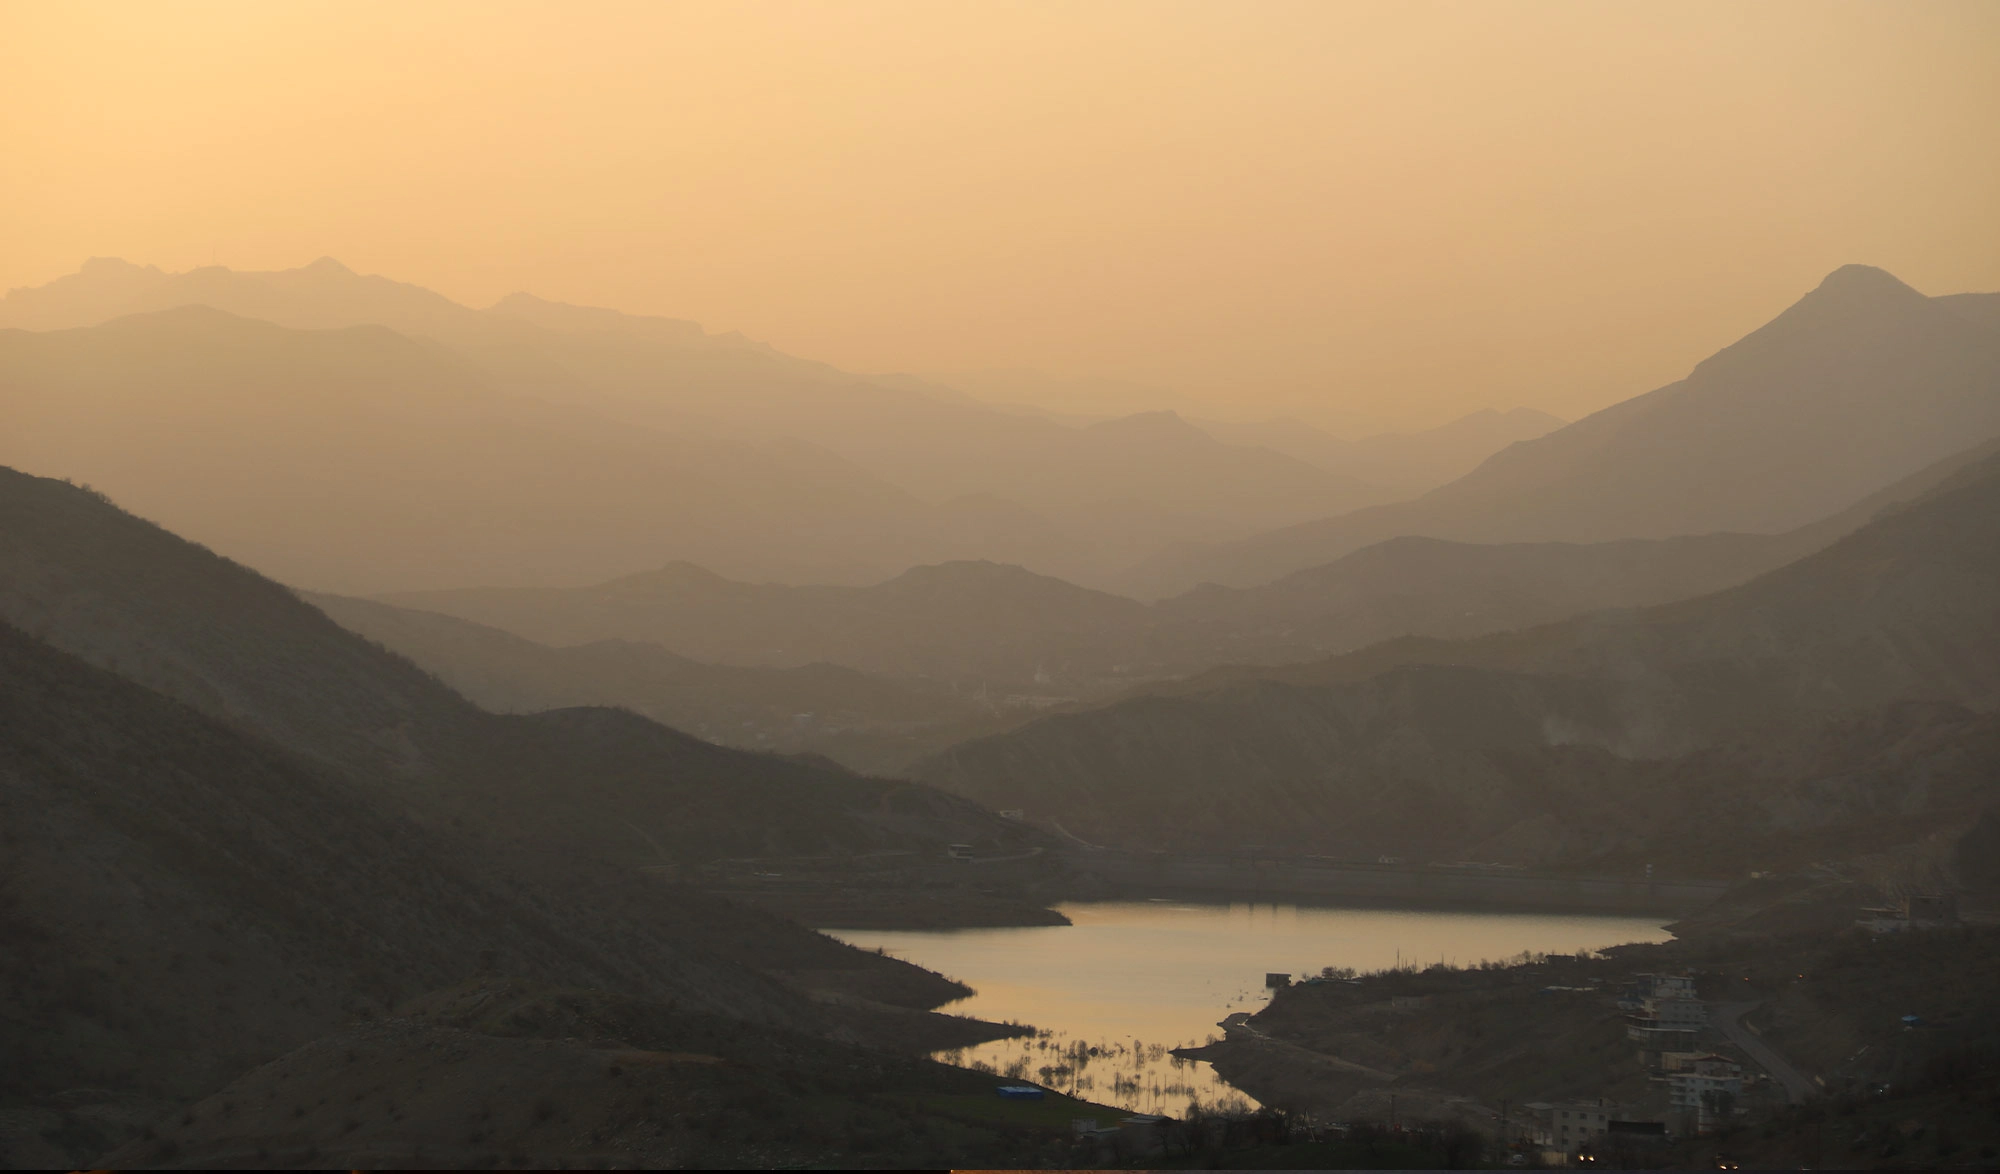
x=1401, y=209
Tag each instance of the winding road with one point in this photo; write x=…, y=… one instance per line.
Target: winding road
x=1729, y=1021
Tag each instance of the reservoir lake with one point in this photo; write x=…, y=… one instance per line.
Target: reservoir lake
x=1110, y=994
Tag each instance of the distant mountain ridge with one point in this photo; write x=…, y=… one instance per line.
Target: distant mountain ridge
x=1435, y=588
x=1582, y=739
x=976, y=625
x=963, y=621
x=1863, y=366
x=1075, y=501
x=1861, y=382
x=358, y=457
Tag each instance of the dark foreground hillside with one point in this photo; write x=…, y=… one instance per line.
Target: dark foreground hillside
x=180, y=902
x=310, y=833
x=501, y=1073
x=181, y=899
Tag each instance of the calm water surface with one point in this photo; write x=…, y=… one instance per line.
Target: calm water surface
x=1133, y=978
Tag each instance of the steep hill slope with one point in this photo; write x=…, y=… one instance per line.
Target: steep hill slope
x=1441, y=746
x=179, y=901
x=311, y=829
x=1898, y=610
x=124, y=594
x=1863, y=367
x=505, y=1073
x=1432, y=587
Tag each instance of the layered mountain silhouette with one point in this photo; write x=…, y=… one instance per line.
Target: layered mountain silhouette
x=328, y=869
x=979, y=632
x=1432, y=587
x=963, y=622
x=1602, y=734
x=865, y=721
x=755, y=459
x=1861, y=382
x=948, y=477
x=990, y=632
x=359, y=458
x=101, y=584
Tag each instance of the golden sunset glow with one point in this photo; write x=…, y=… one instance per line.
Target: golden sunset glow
x=1394, y=212
x=999, y=584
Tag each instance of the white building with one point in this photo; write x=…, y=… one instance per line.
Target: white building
x=1668, y=1010
x=1678, y=1014
x=1673, y=986
x=1692, y=1090
x=1566, y=1127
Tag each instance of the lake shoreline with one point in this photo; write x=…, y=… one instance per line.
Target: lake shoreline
x=831, y=911
x=1115, y=875
x=915, y=893
x=1120, y=995
x=874, y=908
x=877, y=910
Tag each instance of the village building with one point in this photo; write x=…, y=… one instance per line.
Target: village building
x=1569, y=1126
x=1705, y=1090
x=1662, y=1012
x=1914, y=911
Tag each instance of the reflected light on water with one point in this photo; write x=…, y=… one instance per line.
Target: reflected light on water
x=1112, y=993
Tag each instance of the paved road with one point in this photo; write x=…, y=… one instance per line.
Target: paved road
x=1079, y=839
x=1729, y=1021
x=1240, y=1022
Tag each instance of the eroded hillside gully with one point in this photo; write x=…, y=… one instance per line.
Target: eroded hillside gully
x=1118, y=996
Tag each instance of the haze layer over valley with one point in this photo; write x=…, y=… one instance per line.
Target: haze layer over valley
x=955, y=649
x=295, y=420
x=1314, y=584
x=551, y=444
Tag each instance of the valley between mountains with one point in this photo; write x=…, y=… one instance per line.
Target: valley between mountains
x=436, y=735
